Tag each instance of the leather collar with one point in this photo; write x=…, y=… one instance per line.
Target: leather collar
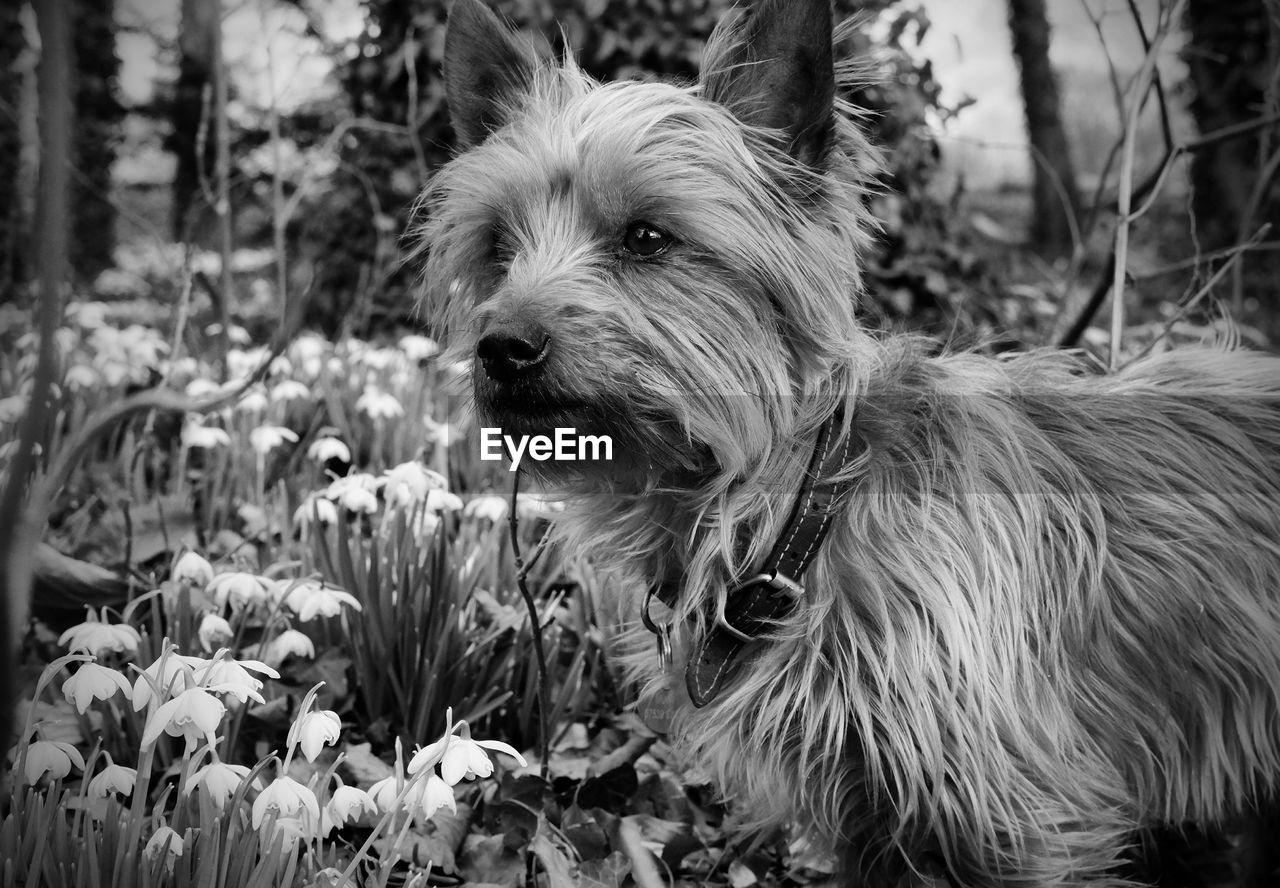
x=751, y=608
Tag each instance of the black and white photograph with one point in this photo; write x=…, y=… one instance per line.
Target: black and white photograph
x=640, y=443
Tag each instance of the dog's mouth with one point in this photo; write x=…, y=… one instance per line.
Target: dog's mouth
x=528, y=407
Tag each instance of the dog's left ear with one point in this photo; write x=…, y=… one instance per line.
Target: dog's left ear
x=772, y=67
x=486, y=71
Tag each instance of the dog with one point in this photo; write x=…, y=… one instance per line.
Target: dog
x=965, y=620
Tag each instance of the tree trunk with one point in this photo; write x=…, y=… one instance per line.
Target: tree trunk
x=1231, y=69
x=191, y=138
x=13, y=246
x=1055, y=195
x=99, y=116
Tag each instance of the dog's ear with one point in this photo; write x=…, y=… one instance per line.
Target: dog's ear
x=486, y=71
x=772, y=67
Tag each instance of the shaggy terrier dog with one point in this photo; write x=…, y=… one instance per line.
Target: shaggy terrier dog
x=966, y=620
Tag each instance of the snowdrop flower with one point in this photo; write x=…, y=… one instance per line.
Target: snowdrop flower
x=410, y=483
x=289, y=390
x=377, y=404
x=214, y=632
x=200, y=387
x=227, y=676
x=438, y=433
x=12, y=407
x=310, y=599
x=243, y=363
x=289, y=643
x=289, y=799
x=375, y=358
x=325, y=449
x=384, y=793
x=313, y=731
x=239, y=589
x=465, y=758
x=168, y=673
x=193, y=568
x=418, y=348
x=532, y=505
x=195, y=435
x=317, y=508
x=113, y=778
x=165, y=840
x=94, y=637
x=252, y=402
x=443, y=501
x=52, y=756
x=488, y=506
x=430, y=796
x=266, y=438
x=219, y=781
x=81, y=377
x=194, y=714
x=307, y=353
x=355, y=493
x=93, y=682
x=348, y=804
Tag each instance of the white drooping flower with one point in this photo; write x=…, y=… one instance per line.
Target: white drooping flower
x=327, y=448
x=193, y=568
x=289, y=799
x=377, y=404
x=96, y=638
x=219, y=780
x=313, y=731
x=312, y=598
x=94, y=682
x=266, y=438
x=113, y=778
x=52, y=757
x=194, y=714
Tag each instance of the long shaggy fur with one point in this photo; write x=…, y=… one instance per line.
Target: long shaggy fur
x=1049, y=612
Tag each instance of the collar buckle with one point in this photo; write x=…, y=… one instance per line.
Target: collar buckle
x=779, y=585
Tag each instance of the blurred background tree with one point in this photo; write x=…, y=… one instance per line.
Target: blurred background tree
x=98, y=120
x=1232, y=52
x=1055, y=192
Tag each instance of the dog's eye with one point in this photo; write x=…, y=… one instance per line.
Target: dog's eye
x=643, y=239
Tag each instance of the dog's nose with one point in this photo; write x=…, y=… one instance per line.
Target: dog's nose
x=511, y=351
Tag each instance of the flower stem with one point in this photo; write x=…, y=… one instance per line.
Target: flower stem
x=535, y=629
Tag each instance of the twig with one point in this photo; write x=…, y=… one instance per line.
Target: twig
x=1141, y=193
x=1183, y=310
x=1113, y=76
x=535, y=629
x=1141, y=84
x=1194, y=262
x=1166, y=128
x=411, y=110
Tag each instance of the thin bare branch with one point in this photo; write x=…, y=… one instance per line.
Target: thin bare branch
x=1141, y=85
x=1188, y=305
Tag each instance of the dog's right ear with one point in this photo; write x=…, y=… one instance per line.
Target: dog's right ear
x=486, y=71
x=771, y=65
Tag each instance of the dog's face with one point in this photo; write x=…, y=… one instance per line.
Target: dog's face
x=672, y=267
